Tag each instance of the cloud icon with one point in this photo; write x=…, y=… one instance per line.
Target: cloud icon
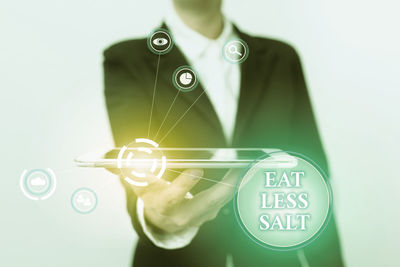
x=37, y=181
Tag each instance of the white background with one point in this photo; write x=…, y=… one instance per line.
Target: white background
x=52, y=109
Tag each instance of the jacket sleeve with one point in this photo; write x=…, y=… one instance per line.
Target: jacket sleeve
x=325, y=250
x=127, y=107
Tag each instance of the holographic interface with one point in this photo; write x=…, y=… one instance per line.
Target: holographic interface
x=146, y=160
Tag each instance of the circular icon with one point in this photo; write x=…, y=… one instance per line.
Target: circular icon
x=139, y=159
x=236, y=51
x=283, y=201
x=84, y=200
x=160, y=42
x=184, y=79
x=38, y=184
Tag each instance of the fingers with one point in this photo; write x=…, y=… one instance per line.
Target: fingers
x=139, y=185
x=217, y=196
x=232, y=177
x=176, y=193
x=171, y=192
x=202, y=218
x=223, y=189
x=185, y=182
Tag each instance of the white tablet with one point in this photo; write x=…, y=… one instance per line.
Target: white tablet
x=181, y=157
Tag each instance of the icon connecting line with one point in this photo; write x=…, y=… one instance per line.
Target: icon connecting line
x=183, y=115
x=202, y=178
x=154, y=94
x=166, y=115
x=184, y=78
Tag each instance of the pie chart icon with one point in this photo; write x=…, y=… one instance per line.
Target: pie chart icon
x=185, y=79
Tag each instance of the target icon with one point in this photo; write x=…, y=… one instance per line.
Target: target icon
x=140, y=159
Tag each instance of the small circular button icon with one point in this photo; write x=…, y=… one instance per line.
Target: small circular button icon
x=236, y=51
x=38, y=184
x=84, y=200
x=185, y=79
x=160, y=42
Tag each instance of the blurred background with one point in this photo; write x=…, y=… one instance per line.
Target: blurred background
x=52, y=110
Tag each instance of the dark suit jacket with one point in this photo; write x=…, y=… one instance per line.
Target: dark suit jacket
x=274, y=111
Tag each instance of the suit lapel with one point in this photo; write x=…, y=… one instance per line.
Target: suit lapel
x=255, y=72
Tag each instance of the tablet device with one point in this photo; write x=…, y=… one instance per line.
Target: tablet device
x=183, y=158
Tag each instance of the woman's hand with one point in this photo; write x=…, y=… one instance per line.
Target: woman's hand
x=169, y=207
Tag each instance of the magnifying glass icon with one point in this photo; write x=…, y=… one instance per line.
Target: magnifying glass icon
x=233, y=50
